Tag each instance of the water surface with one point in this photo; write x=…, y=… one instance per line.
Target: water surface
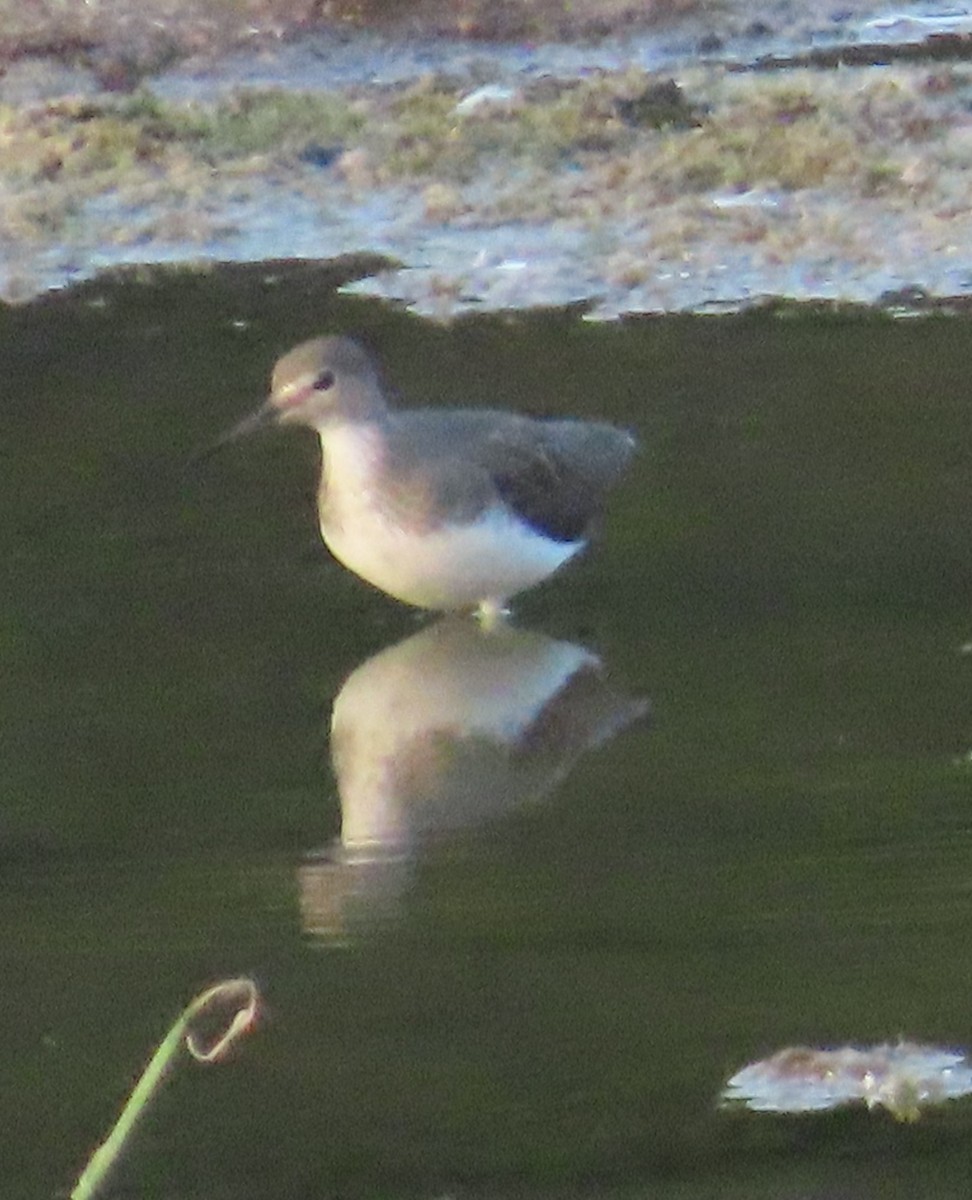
x=545, y=998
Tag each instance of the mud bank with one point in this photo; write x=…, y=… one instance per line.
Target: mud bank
x=712, y=160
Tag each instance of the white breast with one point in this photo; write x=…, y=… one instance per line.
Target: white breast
x=452, y=567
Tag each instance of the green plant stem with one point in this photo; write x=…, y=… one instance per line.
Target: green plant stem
x=241, y=992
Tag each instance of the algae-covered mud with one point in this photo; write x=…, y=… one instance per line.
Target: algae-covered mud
x=700, y=156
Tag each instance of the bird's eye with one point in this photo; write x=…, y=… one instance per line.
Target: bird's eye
x=324, y=382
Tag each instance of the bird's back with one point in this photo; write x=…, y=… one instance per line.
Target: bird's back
x=553, y=474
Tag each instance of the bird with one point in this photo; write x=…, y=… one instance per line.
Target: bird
x=443, y=509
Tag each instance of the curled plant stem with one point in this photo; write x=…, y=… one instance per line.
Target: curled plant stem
x=242, y=994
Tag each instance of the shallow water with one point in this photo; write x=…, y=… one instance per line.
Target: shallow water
x=577, y=936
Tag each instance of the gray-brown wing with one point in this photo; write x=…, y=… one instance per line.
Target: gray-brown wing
x=553, y=474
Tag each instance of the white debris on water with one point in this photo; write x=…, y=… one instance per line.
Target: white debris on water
x=902, y=1077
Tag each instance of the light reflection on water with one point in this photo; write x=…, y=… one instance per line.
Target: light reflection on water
x=446, y=731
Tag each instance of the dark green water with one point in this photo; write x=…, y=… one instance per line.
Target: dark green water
x=548, y=1003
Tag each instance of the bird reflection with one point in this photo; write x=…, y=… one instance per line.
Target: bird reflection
x=443, y=732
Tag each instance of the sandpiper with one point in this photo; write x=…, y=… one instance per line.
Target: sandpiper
x=445, y=509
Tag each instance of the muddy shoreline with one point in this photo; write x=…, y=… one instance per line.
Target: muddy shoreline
x=708, y=160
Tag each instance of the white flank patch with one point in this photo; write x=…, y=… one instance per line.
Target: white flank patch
x=452, y=567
